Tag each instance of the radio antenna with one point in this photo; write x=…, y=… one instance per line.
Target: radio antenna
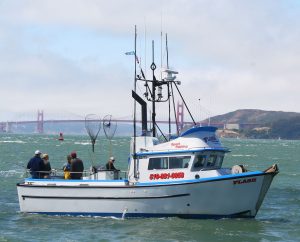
x=167, y=51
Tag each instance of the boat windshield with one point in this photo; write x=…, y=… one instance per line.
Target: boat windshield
x=207, y=161
x=214, y=161
x=199, y=162
x=176, y=162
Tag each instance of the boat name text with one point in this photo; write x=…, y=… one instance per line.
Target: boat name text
x=242, y=181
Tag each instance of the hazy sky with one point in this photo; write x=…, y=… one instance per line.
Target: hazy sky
x=67, y=56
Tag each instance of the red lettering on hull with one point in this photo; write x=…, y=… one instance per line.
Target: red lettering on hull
x=173, y=175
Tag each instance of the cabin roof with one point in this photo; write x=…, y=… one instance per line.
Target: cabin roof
x=197, y=129
x=185, y=151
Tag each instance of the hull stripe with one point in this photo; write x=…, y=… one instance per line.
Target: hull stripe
x=101, y=198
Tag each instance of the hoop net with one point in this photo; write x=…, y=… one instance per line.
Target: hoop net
x=92, y=126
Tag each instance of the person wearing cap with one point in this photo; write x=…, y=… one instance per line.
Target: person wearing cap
x=36, y=165
x=76, y=166
x=47, y=166
x=110, y=164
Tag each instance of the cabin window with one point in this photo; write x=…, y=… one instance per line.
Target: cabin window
x=179, y=162
x=176, y=162
x=199, y=162
x=214, y=161
x=219, y=161
x=207, y=162
x=158, y=163
x=211, y=161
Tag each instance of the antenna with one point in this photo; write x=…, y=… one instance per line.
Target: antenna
x=161, y=37
x=145, y=46
x=167, y=50
x=153, y=67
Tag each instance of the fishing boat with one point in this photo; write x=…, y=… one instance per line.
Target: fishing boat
x=181, y=176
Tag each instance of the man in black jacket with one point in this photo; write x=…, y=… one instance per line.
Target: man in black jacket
x=36, y=165
x=110, y=164
x=76, y=166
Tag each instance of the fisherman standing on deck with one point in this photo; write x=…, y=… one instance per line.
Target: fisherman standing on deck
x=47, y=166
x=76, y=166
x=110, y=164
x=36, y=165
x=67, y=168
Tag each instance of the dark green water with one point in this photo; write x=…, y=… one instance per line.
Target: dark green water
x=277, y=220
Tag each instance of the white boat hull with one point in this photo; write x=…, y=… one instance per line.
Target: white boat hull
x=228, y=196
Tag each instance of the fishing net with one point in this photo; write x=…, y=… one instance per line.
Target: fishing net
x=109, y=127
x=92, y=126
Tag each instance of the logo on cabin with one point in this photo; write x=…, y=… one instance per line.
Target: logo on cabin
x=178, y=145
x=212, y=139
x=242, y=181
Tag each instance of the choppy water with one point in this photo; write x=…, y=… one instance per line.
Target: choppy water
x=277, y=220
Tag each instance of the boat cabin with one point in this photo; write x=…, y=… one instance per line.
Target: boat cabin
x=196, y=153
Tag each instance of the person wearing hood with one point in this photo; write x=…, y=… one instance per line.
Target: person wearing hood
x=47, y=166
x=76, y=166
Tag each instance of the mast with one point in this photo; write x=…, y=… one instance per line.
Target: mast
x=153, y=67
x=134, y=112
x=169, y=100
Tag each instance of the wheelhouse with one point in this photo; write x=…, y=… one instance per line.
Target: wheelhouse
x=178, y=166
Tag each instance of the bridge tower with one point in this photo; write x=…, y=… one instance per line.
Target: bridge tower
x=40, y=122
x=8, y=127
x=2, y=127
x=180, y=115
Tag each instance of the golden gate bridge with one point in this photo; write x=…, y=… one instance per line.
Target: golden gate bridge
x=40, y=122
x=7, y=127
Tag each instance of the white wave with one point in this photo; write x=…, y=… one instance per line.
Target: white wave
x=243, y=155
x=10, y=173
x=82, y=143
x=13, y=141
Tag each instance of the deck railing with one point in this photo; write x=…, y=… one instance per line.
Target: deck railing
x=86, y=174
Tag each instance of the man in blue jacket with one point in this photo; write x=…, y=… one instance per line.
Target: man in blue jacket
x=36, y=165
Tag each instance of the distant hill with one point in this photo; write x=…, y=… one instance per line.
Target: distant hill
x=286, y=128
x=264, y=124
x=253, y=116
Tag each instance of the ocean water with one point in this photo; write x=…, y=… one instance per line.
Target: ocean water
x=277, y=220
